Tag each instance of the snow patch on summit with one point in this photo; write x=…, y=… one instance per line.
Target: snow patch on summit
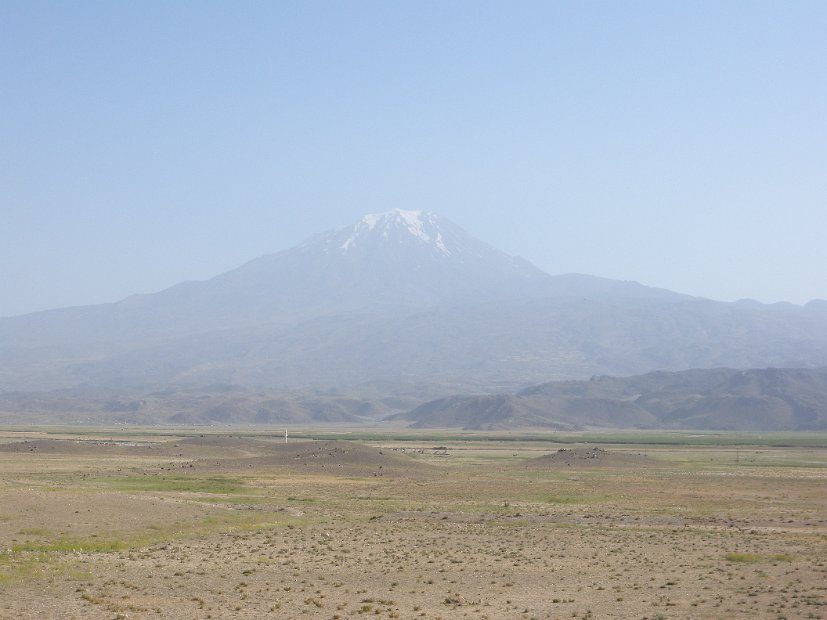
x=414, y=223
x=371, y=220
x=411, y=221
x=441, y=245
x=366, y=224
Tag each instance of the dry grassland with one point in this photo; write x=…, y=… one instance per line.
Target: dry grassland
x=222, y=527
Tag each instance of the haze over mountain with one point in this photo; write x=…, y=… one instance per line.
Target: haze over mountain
x=396, y=300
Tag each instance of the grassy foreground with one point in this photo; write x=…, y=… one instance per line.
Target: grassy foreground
x=185, y=523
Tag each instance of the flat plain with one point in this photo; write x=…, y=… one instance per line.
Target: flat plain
x=238, y=523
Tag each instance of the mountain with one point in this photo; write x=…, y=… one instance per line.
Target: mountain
x=402, y=302
x=771, y=399
x=389, y=262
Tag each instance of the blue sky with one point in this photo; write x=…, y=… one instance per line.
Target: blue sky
x=682, y=145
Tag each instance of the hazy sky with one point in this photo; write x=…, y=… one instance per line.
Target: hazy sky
x=679, y=144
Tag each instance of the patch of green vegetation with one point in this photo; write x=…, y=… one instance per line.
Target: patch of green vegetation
x=785, y=462
x=571, y=499
x=701, y=438
x=153, y=534
x=233, y=501
x=372, y=498
x=17, y=568
x=259, y=525
x=72, y=544
x=507, y=523
x=653, y=438
x=35, y=531
x=22, y=567
x=178, y=484
x=536, y=475
x=448, y=436
x=477, y=508
x=565, y=525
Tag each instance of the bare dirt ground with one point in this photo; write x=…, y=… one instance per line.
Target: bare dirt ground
x=229, y=527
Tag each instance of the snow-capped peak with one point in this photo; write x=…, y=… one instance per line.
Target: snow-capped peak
x=413, y=220
x=419, y=224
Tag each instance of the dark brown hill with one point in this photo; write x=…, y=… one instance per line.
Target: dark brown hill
x=771, y=399
x=335, y=458
x=586, y=458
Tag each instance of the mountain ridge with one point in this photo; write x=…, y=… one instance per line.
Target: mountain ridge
x=398, y=298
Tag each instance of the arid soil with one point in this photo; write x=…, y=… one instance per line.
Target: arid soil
x=229, y=527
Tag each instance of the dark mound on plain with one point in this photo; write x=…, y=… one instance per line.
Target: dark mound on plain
x=586, y=457
x=221, y=446
x=338, y=458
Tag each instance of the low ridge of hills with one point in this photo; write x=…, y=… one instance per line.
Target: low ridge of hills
x=771, y=399
x=203, y=405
